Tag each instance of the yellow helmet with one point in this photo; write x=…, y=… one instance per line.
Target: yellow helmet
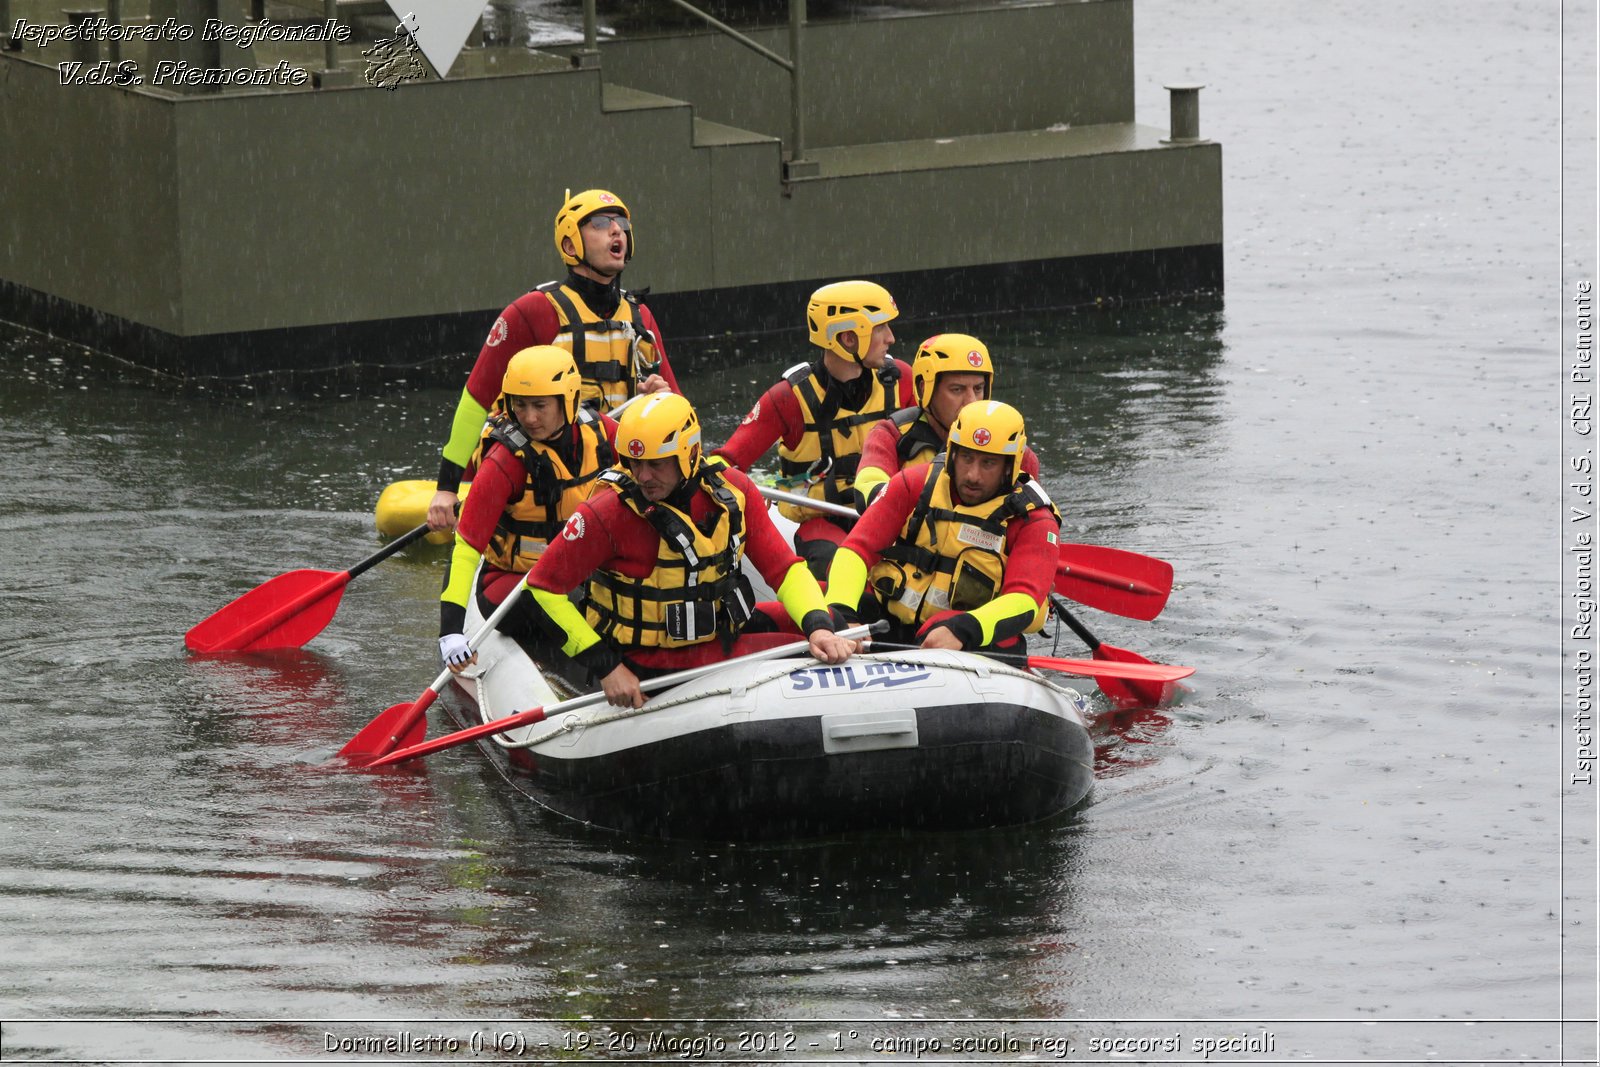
x=950, y=353
x=658, y=426
x=580, y=206
x=992, y=427
x=544, y=370
x=848, y=306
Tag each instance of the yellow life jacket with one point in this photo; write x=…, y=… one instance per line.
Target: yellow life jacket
x=551, y=491
x=919, y=443
x=611, y=354
x=950, y=556
x=823, y=464
x=695, y=592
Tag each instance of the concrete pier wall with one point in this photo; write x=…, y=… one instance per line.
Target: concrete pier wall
x=226, y=232
x=87, y=211
x=254, y=211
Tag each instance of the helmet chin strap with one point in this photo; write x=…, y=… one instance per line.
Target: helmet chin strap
x=558, y=431
x=582, y=252
x=853, y=359
x=602, y=276
x=863, y=344
x=697, y=467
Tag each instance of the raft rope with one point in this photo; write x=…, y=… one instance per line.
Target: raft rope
x=576, y=720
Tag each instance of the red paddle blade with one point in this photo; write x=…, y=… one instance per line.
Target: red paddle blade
x=1127, y=692
x=1111, y=579
x=1142, y=670
x=460, y=737
x=285, y=612
x=398, y=726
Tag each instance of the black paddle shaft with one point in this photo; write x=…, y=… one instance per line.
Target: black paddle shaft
x=1003, y=657
x=1077, y=627
x=388, y=550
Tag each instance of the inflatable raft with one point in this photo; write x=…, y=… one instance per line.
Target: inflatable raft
x=789, y=748
x=403, y=505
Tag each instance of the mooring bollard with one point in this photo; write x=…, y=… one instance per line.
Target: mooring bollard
x=85, y=46
x=330, y=47
x=1185, y=114
x=331, y=74
x=589, y=55
x=114, y=19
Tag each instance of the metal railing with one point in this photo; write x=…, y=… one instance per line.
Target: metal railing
x=796, y=165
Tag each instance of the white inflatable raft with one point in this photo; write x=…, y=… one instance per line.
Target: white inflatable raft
x=789, y=748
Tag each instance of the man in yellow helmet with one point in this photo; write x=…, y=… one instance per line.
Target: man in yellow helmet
x=820, y=412
x=657, y=550
x=542, y=455
x=960, y=553
x=949, y=371
x=612, y=336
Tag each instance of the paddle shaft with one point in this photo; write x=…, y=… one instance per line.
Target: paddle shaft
x=1151, y=672
x=827, y=507
x=533, y=715
x=388, y=550
x=1066, y=565
x=386, y=730
x=1074, y=625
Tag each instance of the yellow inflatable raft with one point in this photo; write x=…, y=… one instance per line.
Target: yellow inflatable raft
x=404, y=505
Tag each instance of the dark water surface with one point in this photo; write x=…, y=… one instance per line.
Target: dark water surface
x=1353, y=839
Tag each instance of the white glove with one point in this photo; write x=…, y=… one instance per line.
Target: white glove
x=454, y=650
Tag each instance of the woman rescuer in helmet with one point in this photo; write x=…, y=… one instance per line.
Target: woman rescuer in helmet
x=950, y=371
x=612, y=336
x=819, y=412
x=541, y=454
x=656, y=550
x=960, y=553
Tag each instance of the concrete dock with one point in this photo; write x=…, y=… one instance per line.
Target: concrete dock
x=971, y=161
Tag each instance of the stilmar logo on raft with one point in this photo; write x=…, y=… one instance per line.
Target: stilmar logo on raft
x=852, y=677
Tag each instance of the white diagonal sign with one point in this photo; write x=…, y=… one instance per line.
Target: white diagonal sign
x=440, y=27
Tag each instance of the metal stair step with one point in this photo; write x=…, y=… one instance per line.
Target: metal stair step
x=615, y=97
x=708, y=134
x=981, y=150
